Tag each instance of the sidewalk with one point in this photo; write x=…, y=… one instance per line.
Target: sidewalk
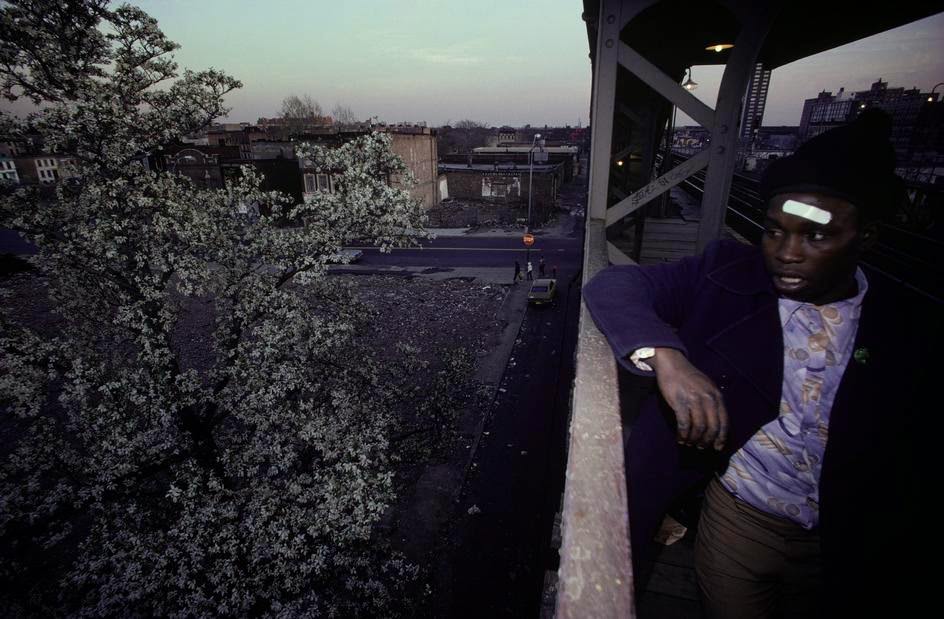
x=477, y=275
x=560, y=227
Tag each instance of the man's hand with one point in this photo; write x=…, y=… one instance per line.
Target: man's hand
x=696, y=401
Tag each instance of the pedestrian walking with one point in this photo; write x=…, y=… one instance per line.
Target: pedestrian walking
x=517, y=272
x=530, y=271
x=554, y=271
x=541, y=266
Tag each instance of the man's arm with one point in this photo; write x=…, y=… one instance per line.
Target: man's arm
x=642, y=307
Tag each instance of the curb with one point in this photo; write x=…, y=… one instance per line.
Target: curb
x=480, y=427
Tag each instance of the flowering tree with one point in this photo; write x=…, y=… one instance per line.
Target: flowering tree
x=151, y=467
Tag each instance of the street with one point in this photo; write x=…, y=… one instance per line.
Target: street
x=475, y=251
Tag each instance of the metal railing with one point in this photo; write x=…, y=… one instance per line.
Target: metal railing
x=595, y=576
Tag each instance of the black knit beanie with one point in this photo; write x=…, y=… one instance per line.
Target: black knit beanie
x=855, y=162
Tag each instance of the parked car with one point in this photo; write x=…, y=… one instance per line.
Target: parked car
x=542, y=291
x=346, y=256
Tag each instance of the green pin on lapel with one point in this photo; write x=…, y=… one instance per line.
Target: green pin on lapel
x=861, y=355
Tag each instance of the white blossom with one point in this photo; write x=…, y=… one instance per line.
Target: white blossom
x=248, y=478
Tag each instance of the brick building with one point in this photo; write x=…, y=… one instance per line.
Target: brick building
x=201, y=164
x=232, y=134
x=905, y=106
x=418, y=149
x=215, y=167
x=505, y=184
x=414, y=144
x=8, y=173
x=568, y=155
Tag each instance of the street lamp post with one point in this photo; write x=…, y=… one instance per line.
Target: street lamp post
x=931, y=94
x=537, y=136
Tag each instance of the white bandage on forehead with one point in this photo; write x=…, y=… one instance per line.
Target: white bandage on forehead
x=807, y=211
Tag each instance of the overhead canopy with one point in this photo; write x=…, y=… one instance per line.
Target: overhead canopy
x=673, y=34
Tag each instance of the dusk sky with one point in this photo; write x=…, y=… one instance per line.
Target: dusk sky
x=908, y=56
x=500, y=63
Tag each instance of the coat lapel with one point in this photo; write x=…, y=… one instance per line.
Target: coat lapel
x=753, y=345
x=746, y=346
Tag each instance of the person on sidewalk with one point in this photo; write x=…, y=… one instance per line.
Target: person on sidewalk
x=530, y=271
x=517, y=272
x=541, y=266
x=793, y=386
x=554, y=271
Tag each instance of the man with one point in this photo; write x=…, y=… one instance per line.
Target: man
x=517, y=277
x=530, y=270
x=789, y=382
x=541, y=266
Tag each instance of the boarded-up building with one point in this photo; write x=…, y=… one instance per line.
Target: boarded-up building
x=506, y=184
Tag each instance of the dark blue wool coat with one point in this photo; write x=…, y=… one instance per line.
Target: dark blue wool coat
x=721, y=310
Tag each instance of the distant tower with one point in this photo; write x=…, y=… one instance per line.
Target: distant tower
x=754, y=101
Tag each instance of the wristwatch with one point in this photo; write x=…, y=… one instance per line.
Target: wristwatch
x=646, y=352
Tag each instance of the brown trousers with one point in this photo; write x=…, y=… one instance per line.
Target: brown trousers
x=752, y=565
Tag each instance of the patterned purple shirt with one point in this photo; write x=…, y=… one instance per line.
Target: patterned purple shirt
x=777, y=471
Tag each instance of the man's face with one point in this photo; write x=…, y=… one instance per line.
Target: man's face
x=811, y=246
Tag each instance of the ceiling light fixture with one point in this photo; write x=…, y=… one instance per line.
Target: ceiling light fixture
x=689, y=84
x=719, y=47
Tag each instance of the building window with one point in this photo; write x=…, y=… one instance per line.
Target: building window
x=310, y=186
x=324, y=184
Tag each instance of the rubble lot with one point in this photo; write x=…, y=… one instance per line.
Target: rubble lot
x=432, y=314
x=433, y=317
x=439, y=315
x=437, y=318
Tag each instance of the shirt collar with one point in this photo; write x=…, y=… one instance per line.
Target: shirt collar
x=789, y=307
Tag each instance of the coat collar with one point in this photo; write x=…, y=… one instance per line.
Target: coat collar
x=745, y=275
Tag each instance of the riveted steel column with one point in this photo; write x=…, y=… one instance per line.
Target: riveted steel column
x=756, y=19
x=604, y=99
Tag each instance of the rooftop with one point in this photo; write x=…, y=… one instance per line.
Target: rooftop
x=500, y=167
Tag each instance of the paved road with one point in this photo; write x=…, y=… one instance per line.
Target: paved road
x=484, y=252
x=478, y=251
x=12, y=243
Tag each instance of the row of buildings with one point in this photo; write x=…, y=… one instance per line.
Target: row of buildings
x=24, y=163
x=214, y=159
x=916, y=118
x=497, y=181
x=917, y=125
